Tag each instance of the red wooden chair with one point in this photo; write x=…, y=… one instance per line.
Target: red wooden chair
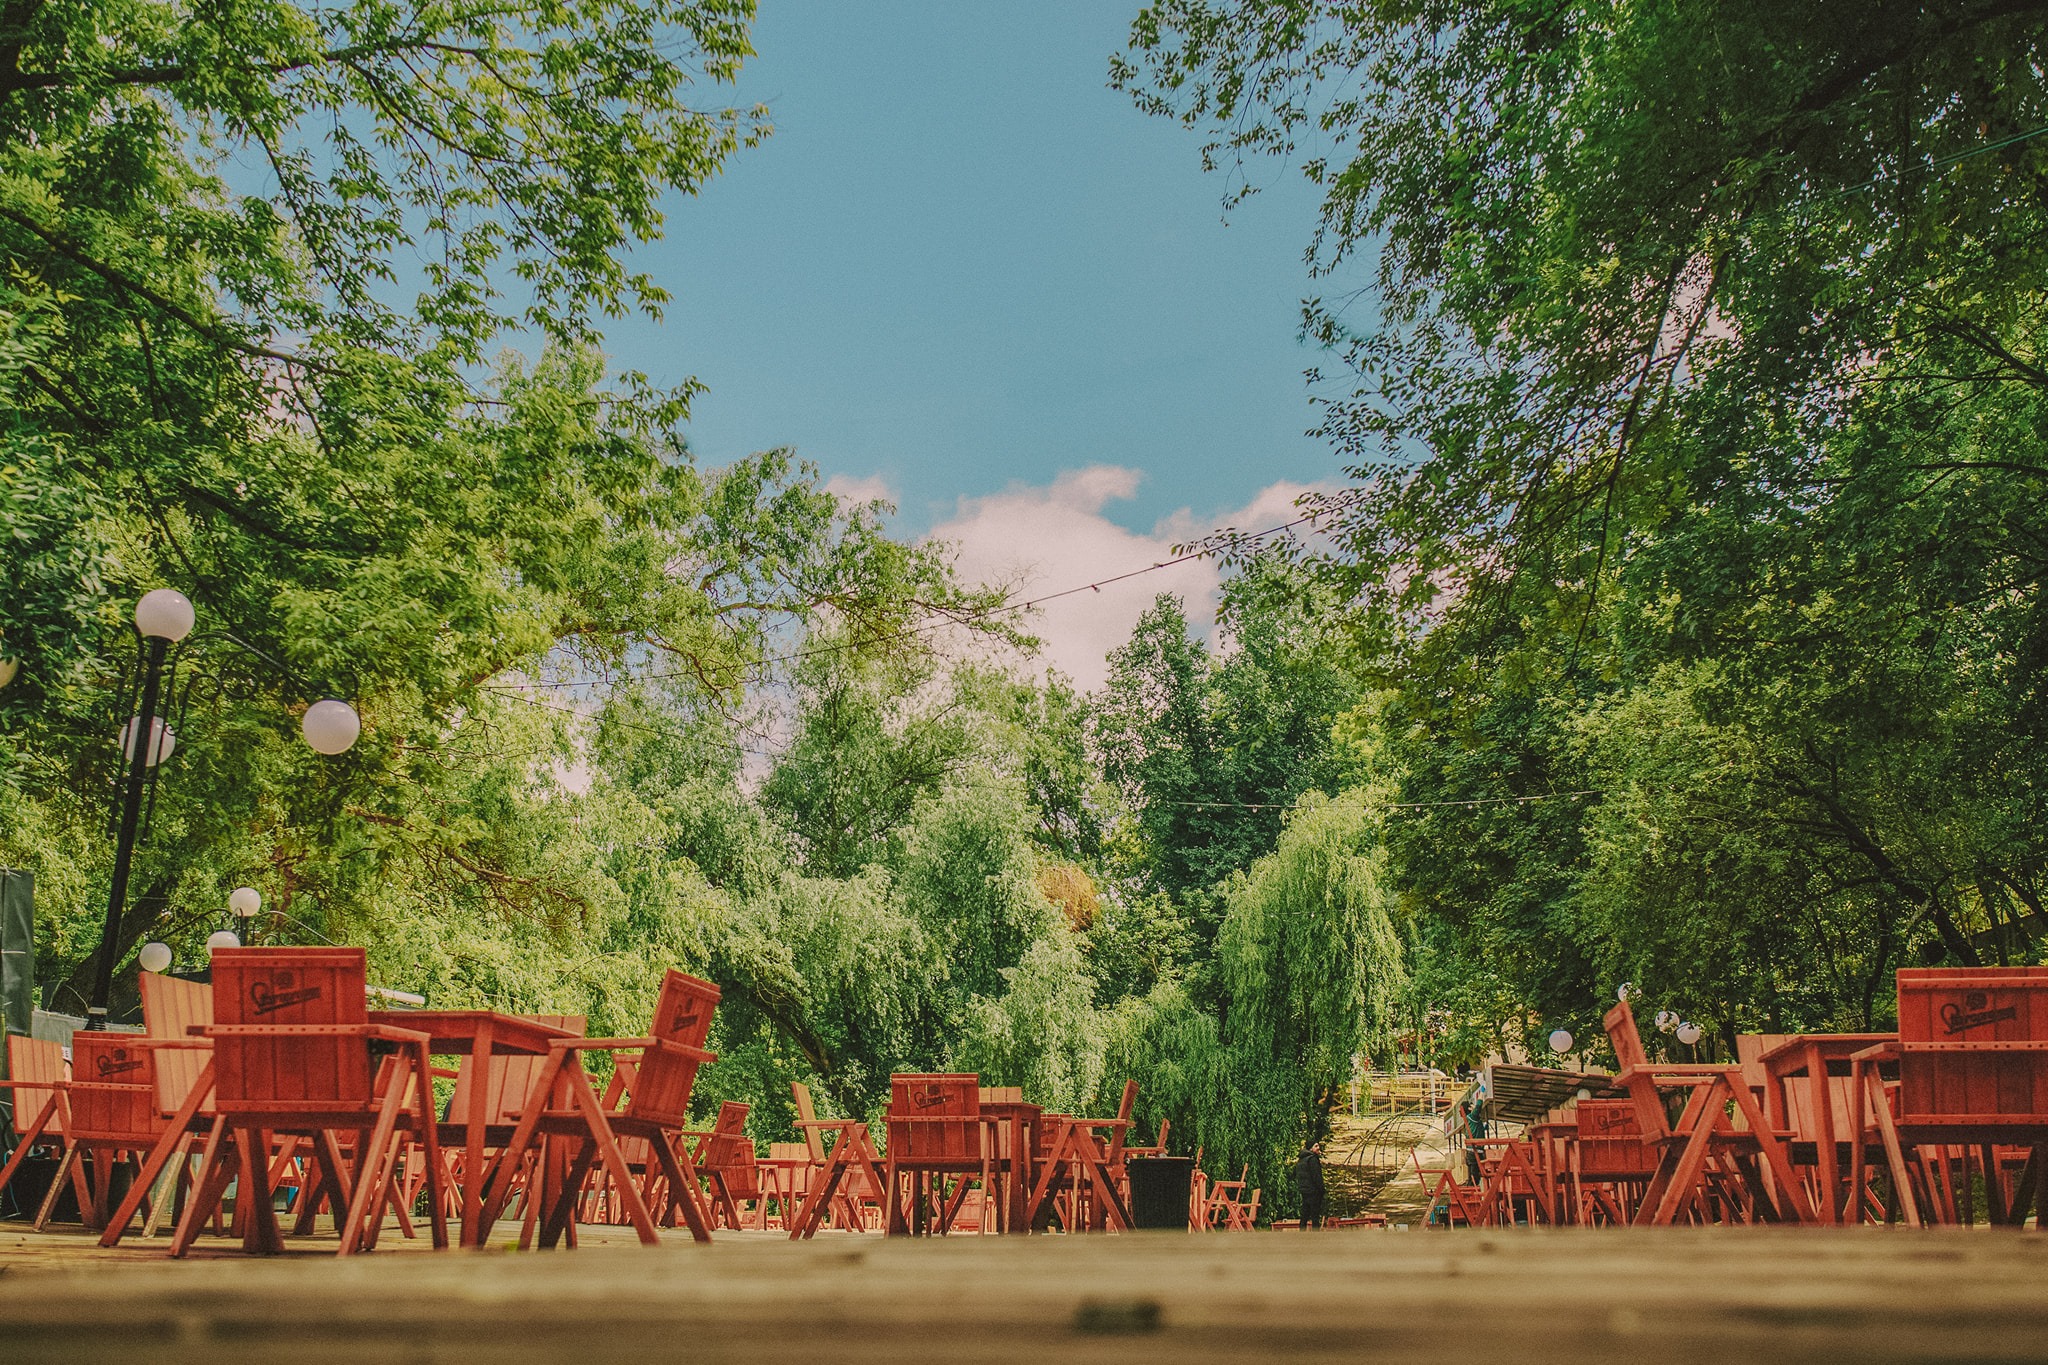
x=1611, y=1164
x=727, y=1158
x=114, y=1115
x=39, y=1083
x=294, y=1054
x=1085, y=1158
x=1972, y=1090
x=1452, y=1203
x=845, y=1182
x=935, y=1130
x=649, y=1098
x=1708, y=1165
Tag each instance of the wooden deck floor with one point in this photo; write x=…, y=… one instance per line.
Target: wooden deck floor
x=1525, y=1297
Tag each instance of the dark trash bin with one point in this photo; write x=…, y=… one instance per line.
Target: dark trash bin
x=1159, y=1190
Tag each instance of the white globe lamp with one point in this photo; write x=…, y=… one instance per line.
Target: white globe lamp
x=222, y=938
x=165, y=614
x=154, y=957
x=245, y=901
x=1666, y=1021
x=163, y=741
x=8, y=668
x=330, y=726
x=1689, y=1033
x=1561, y=1040
x=1624, y=991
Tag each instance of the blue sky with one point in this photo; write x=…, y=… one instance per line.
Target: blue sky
x=963, y=265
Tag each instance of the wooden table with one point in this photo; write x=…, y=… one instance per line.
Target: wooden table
x=471, y=1034
x=785, y=1179
x=1012, y=1125
x=1818, y=1057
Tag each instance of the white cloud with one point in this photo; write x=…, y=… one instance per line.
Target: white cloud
x=1041, y=540
x=871, y=488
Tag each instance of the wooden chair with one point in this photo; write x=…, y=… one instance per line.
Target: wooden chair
x=39, y=1082
x=729, y=1163
x=1084, y=1157
x=1611, y=1164
x=114, y=1116
x=1708, y=1166
x=294, y=1054
x=1452, y=1202
x=934, y=1123
x=507, y=1080
x=649, y=1098
x=844, y=1180
x=1972, y=1091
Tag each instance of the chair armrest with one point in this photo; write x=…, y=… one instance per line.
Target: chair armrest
x=173, y=1044
x=381, y=1032
x=602, y=1044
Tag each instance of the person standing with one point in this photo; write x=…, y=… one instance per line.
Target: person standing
x=1308, y=1183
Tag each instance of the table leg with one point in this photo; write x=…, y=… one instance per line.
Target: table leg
x=479, y=1116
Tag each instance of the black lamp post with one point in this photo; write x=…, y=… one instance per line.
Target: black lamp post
x=164, y=618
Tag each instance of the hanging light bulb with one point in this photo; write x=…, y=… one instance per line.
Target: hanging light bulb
x=330, y=726
x=1561, y=1040
x=163, y=741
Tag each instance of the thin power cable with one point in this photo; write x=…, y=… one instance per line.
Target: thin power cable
x=962, y=619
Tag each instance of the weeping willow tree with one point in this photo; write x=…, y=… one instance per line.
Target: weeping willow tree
x=1307, y=971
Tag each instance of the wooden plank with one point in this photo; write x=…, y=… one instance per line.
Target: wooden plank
x=1679, y=1296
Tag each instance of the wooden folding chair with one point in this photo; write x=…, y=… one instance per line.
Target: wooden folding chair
x=294, y=1054
x=727, y=1159
x=40, y=1082
x=1706, y=1163
x=1085, y=1157
x=648, y=1100
x=935, y=1130
x=842, y=1179
x=1971, y=1096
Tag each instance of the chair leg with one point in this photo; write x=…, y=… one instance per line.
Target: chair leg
x=216, y=1169
x=67, y=1169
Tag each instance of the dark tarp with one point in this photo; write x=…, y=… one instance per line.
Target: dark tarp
x=17, y=957
x=1524, y=1094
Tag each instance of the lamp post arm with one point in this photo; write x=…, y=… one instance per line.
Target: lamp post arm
x=277, y=666
x=143, y=741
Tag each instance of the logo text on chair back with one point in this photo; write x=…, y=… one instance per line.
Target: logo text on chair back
x=1974, y=1011
x=281, y=991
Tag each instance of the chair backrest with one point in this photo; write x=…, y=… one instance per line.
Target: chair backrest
x=1610, y=1140
x=667, y=1071
x=170, y=1005
x=934, y=1116
x=113, y=1090
x=1123, y=1113
x=789, y=1151
x=683, y=1012
x=36, y=1066
x=1628, y=1042
x=730, y=1152
x=1956, y=1010
x=814, y=1141
x=509, y=1077
x=284, y=1072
